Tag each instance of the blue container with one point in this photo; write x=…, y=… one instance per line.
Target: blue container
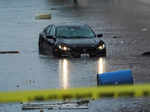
x=115, y=78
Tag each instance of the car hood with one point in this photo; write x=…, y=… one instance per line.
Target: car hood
x=88, y=42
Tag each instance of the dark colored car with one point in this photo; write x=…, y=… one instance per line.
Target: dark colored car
x=71, y=40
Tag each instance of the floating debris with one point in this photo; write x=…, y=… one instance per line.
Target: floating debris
x=116, y=37
x=43, y=16
x=60, y=106
x=122, y=42
x=53, y=9
x=17, y=86
x=9, y=52
x=75, y=1
x=83, y=102
x=146, y=53
x=144, y=29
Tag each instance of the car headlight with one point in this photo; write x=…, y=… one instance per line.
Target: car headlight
x=64, y=48
x=100, y=47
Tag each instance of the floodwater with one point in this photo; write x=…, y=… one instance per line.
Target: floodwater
x=19, y=30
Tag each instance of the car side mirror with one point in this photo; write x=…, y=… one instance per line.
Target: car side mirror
x=51, y=37
x=99, y=35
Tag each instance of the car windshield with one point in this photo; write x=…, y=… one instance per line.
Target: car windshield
x=74, y=32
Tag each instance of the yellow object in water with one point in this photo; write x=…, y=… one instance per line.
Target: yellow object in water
x=43, y=16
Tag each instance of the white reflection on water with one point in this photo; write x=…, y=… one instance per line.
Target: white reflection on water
x=101, y=65
x=63, y=73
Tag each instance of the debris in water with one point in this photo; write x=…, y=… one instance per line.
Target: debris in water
x=75, y=1
x=17, y=86
x=144, y=29
x=116, y=37
x=43, y=16
x=60, y=106
x=9, y=52
x=53, y=9
x=83, y=102
x=146, y=53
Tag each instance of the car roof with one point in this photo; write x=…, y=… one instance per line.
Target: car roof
x=70, y=24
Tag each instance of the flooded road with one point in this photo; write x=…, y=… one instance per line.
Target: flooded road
x=127, y=19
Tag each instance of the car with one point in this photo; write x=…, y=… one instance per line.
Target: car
x=71, y=40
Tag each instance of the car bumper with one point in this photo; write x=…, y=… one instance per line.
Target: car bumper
x=99, y=52
x=93, y=52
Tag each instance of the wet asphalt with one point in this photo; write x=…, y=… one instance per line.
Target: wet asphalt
x=19, y=30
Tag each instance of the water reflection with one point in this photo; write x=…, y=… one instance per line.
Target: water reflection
x=83, y=3
x=101, y=65
x=64, y=70
x=63, y=73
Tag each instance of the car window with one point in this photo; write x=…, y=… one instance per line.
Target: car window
x=48, y=29
x=52, y=32
x=74, y=32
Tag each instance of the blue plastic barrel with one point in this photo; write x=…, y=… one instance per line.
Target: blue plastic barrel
x=115, y=78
